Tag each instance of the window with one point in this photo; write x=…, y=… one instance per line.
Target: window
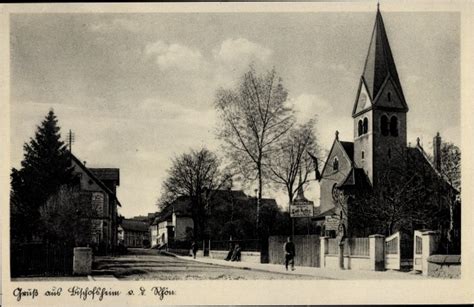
x=394, y=126
x=389, y=96
x=389, y=153
x=362, y=155
x=384, y=125
x=366, y=125
x=360, y=128
x=334, y=192
x=335, y=164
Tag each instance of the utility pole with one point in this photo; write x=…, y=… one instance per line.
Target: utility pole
x=258, y=207
x=71, y=139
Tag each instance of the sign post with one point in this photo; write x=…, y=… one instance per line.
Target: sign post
x=300, y=208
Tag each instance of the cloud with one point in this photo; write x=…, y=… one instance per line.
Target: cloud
x=241, y=50
x=175, y=56
x=116, y=24
x=307, y=106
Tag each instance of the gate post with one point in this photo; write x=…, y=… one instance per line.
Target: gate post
x=82, y=261
x=376, y=252
x=323, y=250
x=430, y=245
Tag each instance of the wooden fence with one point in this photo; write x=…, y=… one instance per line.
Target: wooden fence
x=307, y=250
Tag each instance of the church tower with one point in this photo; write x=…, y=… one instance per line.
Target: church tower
x=380, y=109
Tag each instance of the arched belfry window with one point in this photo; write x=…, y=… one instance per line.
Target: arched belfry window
x=335, y=164
x=394, y=126
x=360, y=128
x=366, y=125
x=384, y=125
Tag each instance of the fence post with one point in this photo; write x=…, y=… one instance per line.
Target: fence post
x=323, y=251
x=429, y=246
x=376, y=252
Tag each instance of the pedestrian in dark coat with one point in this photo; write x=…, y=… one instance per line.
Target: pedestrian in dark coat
x=290, y=253
x=194, y=248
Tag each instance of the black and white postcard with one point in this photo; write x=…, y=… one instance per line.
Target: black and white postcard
x=251, y=153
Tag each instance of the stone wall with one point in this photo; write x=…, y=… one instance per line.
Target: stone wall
x=444, y=266
x=350, y=262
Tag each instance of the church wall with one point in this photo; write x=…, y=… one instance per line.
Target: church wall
x=389, y=151
x=332, y=177
x=364, y=143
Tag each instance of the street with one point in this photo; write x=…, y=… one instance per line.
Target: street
x=148, y=264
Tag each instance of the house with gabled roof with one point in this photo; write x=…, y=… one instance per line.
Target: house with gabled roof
x=101, y=185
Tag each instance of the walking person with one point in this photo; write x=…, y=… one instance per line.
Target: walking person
x=290, y=253
x=194, y=248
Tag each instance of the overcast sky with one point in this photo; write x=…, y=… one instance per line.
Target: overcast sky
x=138, y=89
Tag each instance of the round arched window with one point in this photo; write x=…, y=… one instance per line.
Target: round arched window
x=366, y=125
x=334, y=192
x=360, y=128
x=394, y=126
x=384, y=125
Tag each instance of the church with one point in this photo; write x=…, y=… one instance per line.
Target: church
x=377, y=183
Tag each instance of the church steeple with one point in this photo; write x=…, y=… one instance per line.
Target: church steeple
x=379, y=69
x=380, y=108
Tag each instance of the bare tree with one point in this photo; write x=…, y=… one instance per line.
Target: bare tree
x=67, y=217
x=254, y=118
x=292, y=159
x=196, y=175
x=451, y=164
x=451, y=171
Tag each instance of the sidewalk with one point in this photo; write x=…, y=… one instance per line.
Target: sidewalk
x=312, y=271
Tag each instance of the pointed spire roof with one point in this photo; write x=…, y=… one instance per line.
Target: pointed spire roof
x=379, y=64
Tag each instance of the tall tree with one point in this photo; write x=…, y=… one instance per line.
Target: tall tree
x=195, y=175
x=45, y=167
x=291, y=161
x=254, y=117
x=451, y=170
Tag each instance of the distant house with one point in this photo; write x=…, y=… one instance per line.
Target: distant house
x=134, y=233
x=174, y=223
x=231, y=214
x=101, y=185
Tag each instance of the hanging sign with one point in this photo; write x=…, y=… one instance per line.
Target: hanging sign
x=331, y=223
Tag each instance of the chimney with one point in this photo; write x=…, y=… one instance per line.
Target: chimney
x=437, y=152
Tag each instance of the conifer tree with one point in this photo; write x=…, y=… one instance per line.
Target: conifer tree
x=45, y=167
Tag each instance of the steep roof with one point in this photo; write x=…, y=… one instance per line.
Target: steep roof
x=379, y=63
x=379, y=73
x=355, y=178
x=103, y=174
x=134, y=225
x=349, y=149
x=94, y=178
x=417, y=158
